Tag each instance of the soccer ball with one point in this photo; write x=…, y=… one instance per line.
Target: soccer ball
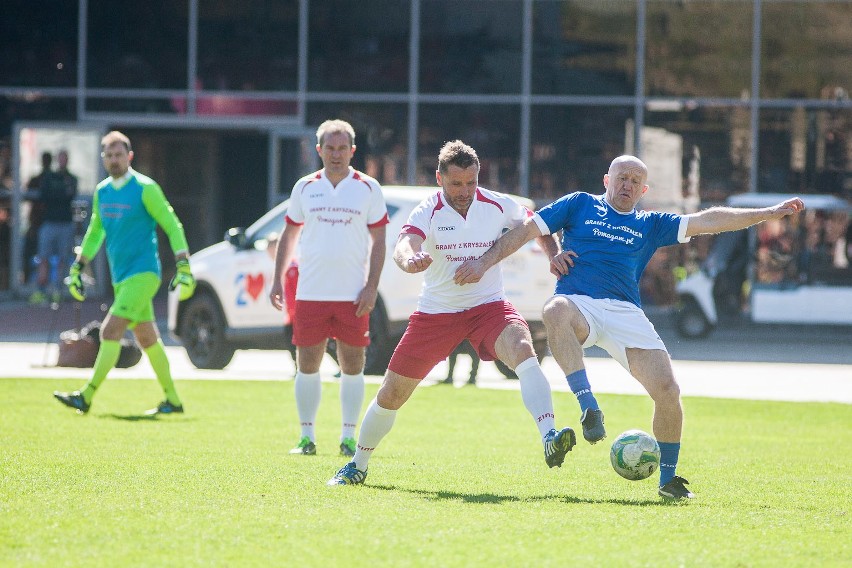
x=635, y=455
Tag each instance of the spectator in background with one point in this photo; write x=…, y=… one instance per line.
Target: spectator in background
x=69, y=179
x=464, y=348
x=5, y=243
x=291, y=280
x=56, y=233
x=6, y=186
x=5, y=165
x=35, y=218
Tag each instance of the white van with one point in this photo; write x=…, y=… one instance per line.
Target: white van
x=231, y=310
x=794, y=270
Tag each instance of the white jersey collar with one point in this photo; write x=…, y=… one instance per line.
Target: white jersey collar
x=610, y=205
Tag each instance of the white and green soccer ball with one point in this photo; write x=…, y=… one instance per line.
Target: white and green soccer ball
x=635, y=455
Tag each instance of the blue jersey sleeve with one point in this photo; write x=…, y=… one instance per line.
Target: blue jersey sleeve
x=557, y=215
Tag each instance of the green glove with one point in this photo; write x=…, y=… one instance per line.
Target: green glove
x=75, y=281
x=183, y=280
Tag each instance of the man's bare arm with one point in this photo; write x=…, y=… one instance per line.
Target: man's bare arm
x=283, y=256
x=723, y=219
x=472, y=270
x=408, y=254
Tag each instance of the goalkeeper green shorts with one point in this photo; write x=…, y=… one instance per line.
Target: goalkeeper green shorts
x=134, y=298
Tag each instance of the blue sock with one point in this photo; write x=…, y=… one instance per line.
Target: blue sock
x=579, y=385
x=668, y=460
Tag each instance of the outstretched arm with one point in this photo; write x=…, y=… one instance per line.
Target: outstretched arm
x=723, y=219
x=471, y=271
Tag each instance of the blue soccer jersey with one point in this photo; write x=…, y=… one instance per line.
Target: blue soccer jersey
x=125, y=214
x=612, y=248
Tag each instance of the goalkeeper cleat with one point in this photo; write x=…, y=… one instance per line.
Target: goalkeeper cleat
x=305, y=447
x=73, y=399
x=165, y=407
x=593, y=425
x=676, y=489
x=347, y=447
x=557, y=444
x=348, y=475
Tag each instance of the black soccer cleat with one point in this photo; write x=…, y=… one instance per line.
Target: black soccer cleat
x=593, y=425
x=307, y=448
x=165, y=407
x=73, y=399
x=676, y=489
x=557, y=444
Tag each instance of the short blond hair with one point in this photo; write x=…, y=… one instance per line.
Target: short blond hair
x=115, y=136
x=333, y=127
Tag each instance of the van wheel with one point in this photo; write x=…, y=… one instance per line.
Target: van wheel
x=540, y=346
x=381, y=346
x=202, y=332
x=690, y=319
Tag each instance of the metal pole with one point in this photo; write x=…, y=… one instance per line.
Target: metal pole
x=755, y=96
x=82, y=51
x=526, y=91
x=192, y=59
x=413, y=87
x=639, y=104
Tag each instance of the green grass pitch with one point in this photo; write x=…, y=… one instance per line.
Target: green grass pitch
x=459, y=481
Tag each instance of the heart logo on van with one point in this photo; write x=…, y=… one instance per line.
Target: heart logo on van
x=254, y=285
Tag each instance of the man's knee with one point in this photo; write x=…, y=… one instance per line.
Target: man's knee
x=395, y=391
x=554, y=313
x=309, y=357
x=113, y=328
x=562, y=317
x=666, y=391
x=514, y=345
x=351, y=358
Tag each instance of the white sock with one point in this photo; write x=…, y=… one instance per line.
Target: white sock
x=377, y=423
x=308, y=394
x=535, y=391
x=351, y=401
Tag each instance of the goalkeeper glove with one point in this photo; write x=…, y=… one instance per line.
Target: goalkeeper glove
x=183, y=280
x=75, y=281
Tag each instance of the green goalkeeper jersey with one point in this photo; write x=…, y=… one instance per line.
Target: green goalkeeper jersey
x=126, y=213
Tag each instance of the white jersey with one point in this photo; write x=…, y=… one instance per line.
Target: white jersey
x=335, y=243
x=452, y=239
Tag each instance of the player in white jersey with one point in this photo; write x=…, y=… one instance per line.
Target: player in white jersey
x=341, y=217
x=606, y=244
x=458, y=223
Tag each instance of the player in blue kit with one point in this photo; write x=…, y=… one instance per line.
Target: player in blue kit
x=606, y=243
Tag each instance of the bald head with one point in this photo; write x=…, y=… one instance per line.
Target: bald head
x=627, y=161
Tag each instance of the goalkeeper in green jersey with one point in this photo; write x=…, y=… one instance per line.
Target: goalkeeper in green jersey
x=126, y=209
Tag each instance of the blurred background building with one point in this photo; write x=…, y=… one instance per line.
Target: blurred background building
x=221, y=98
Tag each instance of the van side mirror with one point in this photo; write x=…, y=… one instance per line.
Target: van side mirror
x=236, y=236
